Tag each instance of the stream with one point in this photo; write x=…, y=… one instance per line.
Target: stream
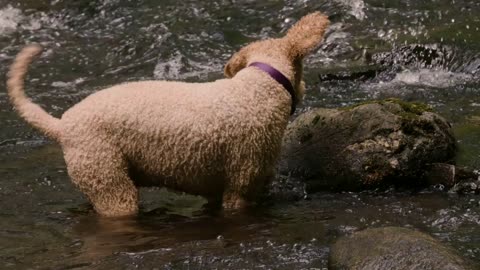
x=416, y=50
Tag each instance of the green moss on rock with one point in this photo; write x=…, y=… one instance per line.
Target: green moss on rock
x=409, y=107
x=315, y=120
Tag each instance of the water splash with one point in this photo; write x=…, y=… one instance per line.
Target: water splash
x=431, y=78
x=357, y=8
x=10, y=18
x=179, y=67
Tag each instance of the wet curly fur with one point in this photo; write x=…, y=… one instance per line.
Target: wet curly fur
x=218, y=139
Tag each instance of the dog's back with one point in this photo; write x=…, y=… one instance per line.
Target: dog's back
x=184, y=136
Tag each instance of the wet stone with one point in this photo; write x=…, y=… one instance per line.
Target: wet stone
x=393, y=248
x=367, y=145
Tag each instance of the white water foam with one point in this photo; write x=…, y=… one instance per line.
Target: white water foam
x=414, y=82
x=432, y=78
x=179, y=67
x=10, y=19
x=357, y=8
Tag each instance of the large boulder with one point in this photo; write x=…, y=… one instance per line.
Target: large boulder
x=393, y=248
x=364, y=146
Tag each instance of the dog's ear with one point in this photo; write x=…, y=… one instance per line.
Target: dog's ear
x=307, y=33
x=235, y=64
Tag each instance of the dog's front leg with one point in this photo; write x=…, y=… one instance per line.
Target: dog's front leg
x=242, y=187
x=234, y=201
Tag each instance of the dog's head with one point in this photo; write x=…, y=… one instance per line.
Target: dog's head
x=287, y=51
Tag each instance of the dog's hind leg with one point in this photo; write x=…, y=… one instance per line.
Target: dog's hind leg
x=103, y=176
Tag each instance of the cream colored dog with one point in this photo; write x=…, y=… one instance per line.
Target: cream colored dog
x=218, y=139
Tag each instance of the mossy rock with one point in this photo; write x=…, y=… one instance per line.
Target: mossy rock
x=410, y=108
x=366, y=145
x=393, y=248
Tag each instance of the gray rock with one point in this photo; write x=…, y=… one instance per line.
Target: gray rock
x=393, y=248
x=367, y=145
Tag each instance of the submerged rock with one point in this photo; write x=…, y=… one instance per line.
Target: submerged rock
x=367, y=145
x=393, y=248
x=467, y=187
x=456, y=179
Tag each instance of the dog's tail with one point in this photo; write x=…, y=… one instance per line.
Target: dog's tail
x=28, y=110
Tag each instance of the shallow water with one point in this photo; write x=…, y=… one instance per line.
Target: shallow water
x=370, y=52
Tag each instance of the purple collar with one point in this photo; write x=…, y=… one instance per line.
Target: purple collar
x=280, y=78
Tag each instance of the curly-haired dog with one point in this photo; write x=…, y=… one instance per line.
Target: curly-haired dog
x=218, y=139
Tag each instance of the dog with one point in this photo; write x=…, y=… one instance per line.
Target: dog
x=218, y=139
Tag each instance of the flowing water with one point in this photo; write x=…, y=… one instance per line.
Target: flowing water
x=418, y=50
